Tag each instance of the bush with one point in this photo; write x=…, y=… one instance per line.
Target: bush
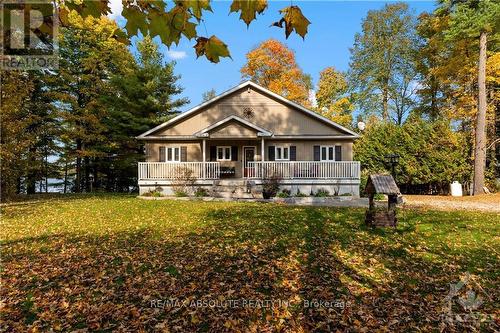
x=201, y=192
x=284, y=194
x=270, y=186
x=321, y=193
x=183, y=181
x=432, y=154
x=346, y=195
x=378, y=196
x=300, y=194
x=178, y=193
x=157, y=192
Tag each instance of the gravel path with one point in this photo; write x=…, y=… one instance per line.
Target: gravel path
x=489, y=203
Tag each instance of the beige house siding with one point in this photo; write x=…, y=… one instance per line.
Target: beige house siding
x=268, y=113
x=233, y=130
x=194, y=150
x=305, y=150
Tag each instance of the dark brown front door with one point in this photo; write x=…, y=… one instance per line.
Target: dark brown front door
x=248, y=157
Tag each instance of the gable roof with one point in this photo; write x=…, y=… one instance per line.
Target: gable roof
x=261, y=131
x=383, y=184
x=258, y=88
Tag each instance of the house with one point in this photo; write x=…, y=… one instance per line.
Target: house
x=245, y=135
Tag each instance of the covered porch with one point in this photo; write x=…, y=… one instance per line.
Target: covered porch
x=236, y=153
x=251, y=169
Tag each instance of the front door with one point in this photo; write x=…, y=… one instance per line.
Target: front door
x=248, y=156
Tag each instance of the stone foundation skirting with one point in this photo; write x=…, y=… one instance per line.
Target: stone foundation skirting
x=335, y=187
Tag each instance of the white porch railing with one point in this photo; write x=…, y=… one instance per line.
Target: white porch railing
x=175, y=170
x=305, y=169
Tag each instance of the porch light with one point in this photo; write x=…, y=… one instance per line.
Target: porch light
x=392, y=160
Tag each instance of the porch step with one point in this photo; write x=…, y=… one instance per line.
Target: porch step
x=230, y=182
x=231, y=188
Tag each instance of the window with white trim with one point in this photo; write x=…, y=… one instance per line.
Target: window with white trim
x=172, y=154
x=281, y=153
x=327, y=153
x=223, y=153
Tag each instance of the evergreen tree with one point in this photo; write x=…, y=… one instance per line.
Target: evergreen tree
x=140, y=98
x=90, y=55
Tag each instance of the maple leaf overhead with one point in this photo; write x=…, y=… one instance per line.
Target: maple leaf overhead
x=213, y=48
x=86, y=8
x=293, y=20
x=196, y=6
x=249, y=9
x=136, y=20
x=174, y=20
x=158, y=26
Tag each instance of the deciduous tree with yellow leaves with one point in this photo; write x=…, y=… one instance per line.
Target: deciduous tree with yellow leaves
x=273, y=66
x=332, y=97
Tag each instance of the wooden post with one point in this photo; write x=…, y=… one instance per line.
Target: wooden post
x=204, y=158
x=262, y=159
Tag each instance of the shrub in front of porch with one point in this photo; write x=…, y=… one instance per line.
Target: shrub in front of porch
x=157, y=192
x=201, y=192
x=322, y=193
x=270, y=186
x=183, y=182
x=284, y=193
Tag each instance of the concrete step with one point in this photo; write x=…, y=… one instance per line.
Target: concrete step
x=235, y=188
x=230, y=182
x=235, y=195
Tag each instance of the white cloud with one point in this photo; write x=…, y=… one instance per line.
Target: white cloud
x=176, y=55
x=116, y=8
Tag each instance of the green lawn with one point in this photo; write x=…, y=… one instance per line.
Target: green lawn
x=97, y=262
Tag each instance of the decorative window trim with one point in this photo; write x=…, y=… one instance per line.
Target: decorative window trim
x=170, y=151
x=327, y=158
x=226, y=153
x=282, y=153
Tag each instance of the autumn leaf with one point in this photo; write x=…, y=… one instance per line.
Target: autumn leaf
x=293, y=20
x=180, y=24
x=249, y=9
x=85, y=8
x=136, y=20
x=159, y=26
x=213, y=48
x=195, y=6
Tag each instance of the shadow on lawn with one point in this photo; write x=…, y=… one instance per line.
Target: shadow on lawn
x=239, y=253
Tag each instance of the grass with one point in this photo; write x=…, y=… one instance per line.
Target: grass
x=97, y=263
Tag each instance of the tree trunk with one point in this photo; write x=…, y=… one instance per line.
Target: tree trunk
x=65, y=176
x=95, y=171
x=385, y=103
x=31, y=176
x=46, y=173
x=78, y=168
x=480, y=143
x=86, y=167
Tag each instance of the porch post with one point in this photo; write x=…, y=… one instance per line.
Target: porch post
x=204, y=158
x=262, y=159
x=262, y=149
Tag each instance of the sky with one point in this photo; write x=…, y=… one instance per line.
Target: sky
x=327, y=43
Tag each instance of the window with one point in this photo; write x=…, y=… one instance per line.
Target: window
x=223, y=153
x=172, y=154
x=281, y=153
x=328, y=153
